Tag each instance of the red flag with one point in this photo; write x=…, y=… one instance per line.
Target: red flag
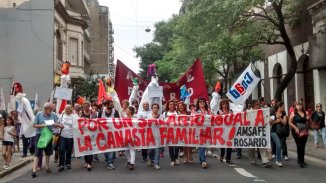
x=102, y=95
x=193, y=79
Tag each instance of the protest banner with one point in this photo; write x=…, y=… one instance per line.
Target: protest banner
x=193, y=79
x=243, y=87
x=249, y=129
x=63, y=93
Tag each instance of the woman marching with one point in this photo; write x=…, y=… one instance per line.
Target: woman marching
x=131, y=153
x=202, y=108
x=278, y=130
x=154, y=154
x=182, y=109
x=87, y=113
x=299, y=121
x=225, y=109
x=170, y=109
x=66, y=137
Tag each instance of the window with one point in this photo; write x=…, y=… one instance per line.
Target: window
x=59, y=45
x=82, y=51
x=73, y=51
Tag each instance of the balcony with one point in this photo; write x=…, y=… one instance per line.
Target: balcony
x=77, y=71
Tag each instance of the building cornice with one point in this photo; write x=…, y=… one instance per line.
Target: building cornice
x=60, y=8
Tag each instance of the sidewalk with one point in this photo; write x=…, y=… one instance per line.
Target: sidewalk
x=16, y=162
x=311, y=151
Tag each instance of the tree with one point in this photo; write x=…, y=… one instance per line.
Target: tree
x=202, y=33
x=267, y=21
x=88, y=86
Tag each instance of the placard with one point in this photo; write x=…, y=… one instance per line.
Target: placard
x=63, y=93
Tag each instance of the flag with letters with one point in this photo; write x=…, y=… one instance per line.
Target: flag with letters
x=243, y=87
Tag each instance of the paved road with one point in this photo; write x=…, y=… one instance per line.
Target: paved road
x=242, y=171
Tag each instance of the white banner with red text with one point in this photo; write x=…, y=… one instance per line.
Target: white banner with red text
x=248, y=129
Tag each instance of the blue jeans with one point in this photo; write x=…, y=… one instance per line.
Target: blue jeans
x=278, y=145
x=109, y=157
x=202, y=157
x=323, y=135
x=154, y=155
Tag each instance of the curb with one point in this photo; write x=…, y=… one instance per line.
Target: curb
x=15, y=167
x=309, y=154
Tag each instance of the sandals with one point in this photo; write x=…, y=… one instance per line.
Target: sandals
x=185, y=161
x=190, y=161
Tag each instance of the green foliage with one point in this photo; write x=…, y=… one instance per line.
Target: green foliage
x=220, y=33
x=88, y=86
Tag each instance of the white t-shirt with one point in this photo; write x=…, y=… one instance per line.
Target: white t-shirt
x=167, y=114
x=143, y=114
x=150, y=116
x=6, y=135
x=66, y=121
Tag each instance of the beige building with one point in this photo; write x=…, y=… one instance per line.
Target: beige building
x=101, y=33
x=37, y=36
x=72, y=38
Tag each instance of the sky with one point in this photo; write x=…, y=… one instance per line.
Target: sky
x=130, y=18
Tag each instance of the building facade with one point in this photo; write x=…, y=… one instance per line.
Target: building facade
x=36, y=37
x=26, y=46
x=309, y=43
x=101, y=33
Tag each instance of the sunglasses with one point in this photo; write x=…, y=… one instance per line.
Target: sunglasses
x=202, y=101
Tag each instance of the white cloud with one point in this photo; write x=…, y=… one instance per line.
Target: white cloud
x=128, y=32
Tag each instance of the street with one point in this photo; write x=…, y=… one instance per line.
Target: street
x=241, y=171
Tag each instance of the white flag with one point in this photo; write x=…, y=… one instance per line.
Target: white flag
x=11, y=104
x=36, y=103
x=2, y=101
x=243, y=87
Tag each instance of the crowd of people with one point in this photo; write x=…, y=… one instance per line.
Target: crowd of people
x=296, y=122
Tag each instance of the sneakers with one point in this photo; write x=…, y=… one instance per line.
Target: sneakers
x=273, y=156
x=209, y=153
x=110, y=167
x=279, y=164
x=229, y=162
x=177, y=162
x=172, y=163
x=267, y=165
x=286, y=158
x=181, y=154
x=131, y=167
x=5, y=167
x=204, y=165
x=214, y=155
x=149, y=162
x=68, y=167
x=157, y=167
x=60, y=169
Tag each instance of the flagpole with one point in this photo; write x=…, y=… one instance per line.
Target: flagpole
x=265, y=89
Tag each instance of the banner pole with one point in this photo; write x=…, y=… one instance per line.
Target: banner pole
x=263, y=83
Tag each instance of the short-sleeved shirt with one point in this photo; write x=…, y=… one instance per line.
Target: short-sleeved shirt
x=40, y=120
x=67, y=121
x=6, y=136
